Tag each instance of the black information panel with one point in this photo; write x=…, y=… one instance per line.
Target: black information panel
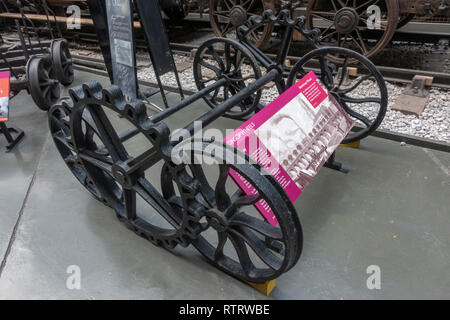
x=98, y=13
x=120, y=25
x=155, y=31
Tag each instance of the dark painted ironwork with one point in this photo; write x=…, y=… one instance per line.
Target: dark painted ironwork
x=193, y=203
x=12, y=135
x=37, y=65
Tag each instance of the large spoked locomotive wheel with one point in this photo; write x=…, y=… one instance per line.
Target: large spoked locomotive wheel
x=222, y=58
x=62, y=61
x=227, y=15
x=42, y=83
x=366, y=26
x=237, y=238
x=364, y=97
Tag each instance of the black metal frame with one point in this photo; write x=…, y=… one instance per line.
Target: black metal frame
x=13, y=135
x=97, y=9
x=98, y=158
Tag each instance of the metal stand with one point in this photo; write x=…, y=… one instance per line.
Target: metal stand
x=12, y=135
x=333, y=164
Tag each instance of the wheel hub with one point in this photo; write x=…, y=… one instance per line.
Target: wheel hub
x=346, y=20
x=238, y=16
x=121, y=176
x=217, y=221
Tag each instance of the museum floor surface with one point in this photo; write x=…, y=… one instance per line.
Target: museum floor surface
x=392, y=210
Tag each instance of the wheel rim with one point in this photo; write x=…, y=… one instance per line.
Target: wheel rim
x=44, y=89
x=224, y=58
x=345, y=25
x=236, y=240
x=368, y=112
x=227, y=15
x=62, y=60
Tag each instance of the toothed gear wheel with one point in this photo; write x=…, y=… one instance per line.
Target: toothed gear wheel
x=82, y=129
x=253, y=236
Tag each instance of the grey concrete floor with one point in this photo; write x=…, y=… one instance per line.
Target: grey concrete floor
x=392, y=210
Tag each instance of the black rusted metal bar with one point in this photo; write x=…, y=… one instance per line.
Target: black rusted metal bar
x=189, y=100
x=220, y=110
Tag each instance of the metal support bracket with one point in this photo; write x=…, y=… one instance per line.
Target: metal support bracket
x=12, y=135
x=417, y=87
x=334, y=165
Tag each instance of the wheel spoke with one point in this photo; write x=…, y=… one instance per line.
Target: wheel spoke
x=242, y=252
x=240, y=201
x=361, y=100
x=217, y=57
x=258, y=246
x=218, y=253
x=356, y=115
x=222, y=198
x=61, y=137
x=228, y=28
x=367, y=4
x=210, y=67
x=130, y=203
x=361, y=80
x=97, y=160
x=153, y=197
x=107, y=133
x=344, y=72
x=327, y=77
x=260, y=226
x=227, y=57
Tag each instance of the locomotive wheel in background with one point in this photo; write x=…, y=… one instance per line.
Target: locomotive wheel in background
x=348, y=24
x=62, y=61
x=43, y=86
x=227, y=15
x=404, y=19
x=364, y=98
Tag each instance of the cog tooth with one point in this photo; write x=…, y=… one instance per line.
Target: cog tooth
x=93, y=89
x=76, y=93
x=254, y=20
x=267, y=14
x=242, y=30
x=66, y=120
x=136, y=111
x=67, y=103
x=114, y=97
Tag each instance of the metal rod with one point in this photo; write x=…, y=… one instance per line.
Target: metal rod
x=184, y=103
x=221, y=109
x=126, y=135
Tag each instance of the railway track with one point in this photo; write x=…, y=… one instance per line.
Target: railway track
x=97, y=67
x=392, y=74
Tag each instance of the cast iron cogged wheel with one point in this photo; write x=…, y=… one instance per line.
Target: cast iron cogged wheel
x=62, y=61
x=85, y=129
x=42, y=83
x=116, y=152
x=363, y=97
x=222, y=58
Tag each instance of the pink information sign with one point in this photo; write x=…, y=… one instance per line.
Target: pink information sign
x=4, y=96
x=292, y=138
